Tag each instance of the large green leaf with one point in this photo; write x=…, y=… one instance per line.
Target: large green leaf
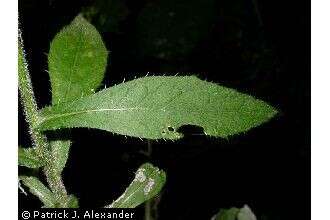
x=148, y=182
x=77, y=60
x=28, y=157
x=155, y=107
x=38, y=189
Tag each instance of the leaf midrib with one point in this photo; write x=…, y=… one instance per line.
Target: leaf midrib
x=56, y=116
x=78, y=48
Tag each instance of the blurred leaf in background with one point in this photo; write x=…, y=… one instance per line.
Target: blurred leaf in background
x=170, y=29
x=244, y=213
x=106, y=15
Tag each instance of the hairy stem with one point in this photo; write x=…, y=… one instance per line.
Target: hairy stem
x=32, y=117
x=28, y=102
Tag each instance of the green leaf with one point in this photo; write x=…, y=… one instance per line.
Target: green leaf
x=28, y=157
x=77, y=61
x=227, y=214
x=38, y=189
x=147, y=183
x=60, y=152
x=156, y=107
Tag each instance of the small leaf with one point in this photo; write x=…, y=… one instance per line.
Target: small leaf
x=60, y=151
x=147, y=183
x=227, y=214
x=38, y=189
x=246, y=213
x=77, y=61
x=156, y=107
x=28, y=157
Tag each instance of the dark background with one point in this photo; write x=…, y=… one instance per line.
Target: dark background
x=258, y=47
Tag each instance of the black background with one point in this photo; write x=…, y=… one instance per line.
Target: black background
x=267, y=168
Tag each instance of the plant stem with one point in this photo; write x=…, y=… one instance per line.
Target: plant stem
x=147, y=210
x=28, y=102
x=149, y=148
x=256, y=8
x=32, y=117
x=148, y=206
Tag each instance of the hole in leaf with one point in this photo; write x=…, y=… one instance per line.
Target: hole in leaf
x=191, y=130
x=169, y=128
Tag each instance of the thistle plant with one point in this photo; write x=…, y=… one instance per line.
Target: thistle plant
x=149, y=108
